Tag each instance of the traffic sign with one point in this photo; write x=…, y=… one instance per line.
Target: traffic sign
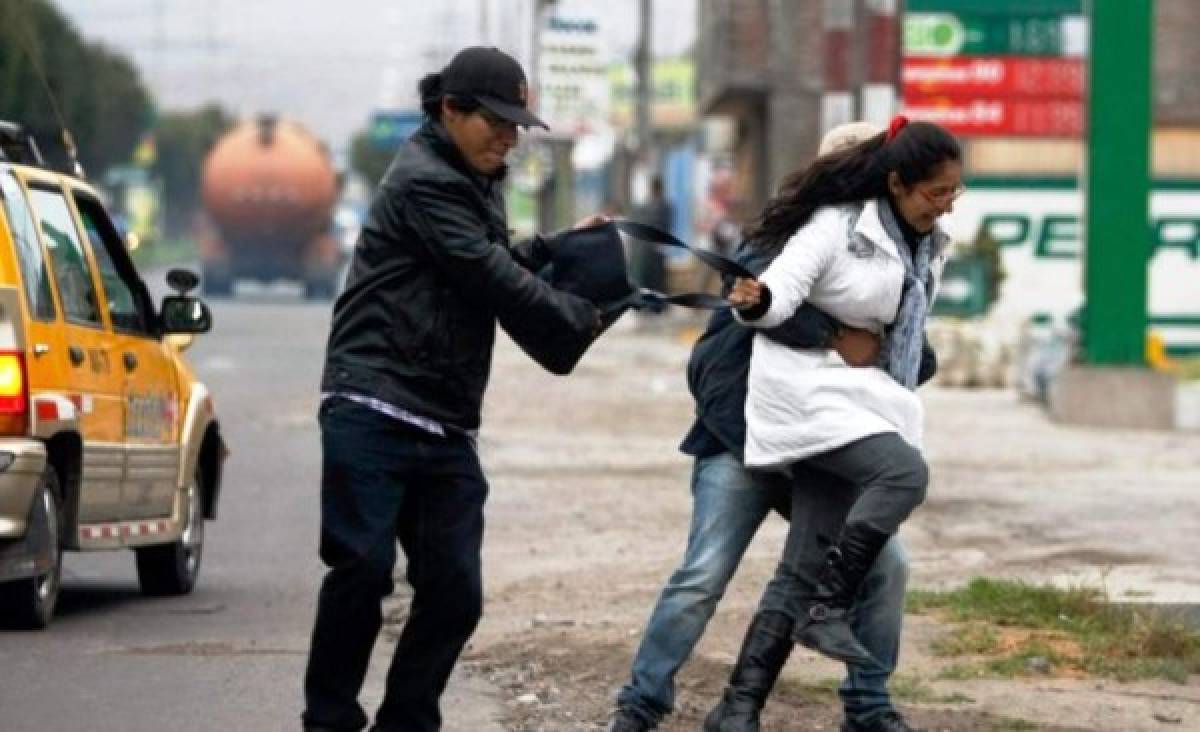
x=390, y=128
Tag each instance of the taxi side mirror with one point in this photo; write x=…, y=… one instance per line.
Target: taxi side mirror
x=181, y=280
x=183, y=314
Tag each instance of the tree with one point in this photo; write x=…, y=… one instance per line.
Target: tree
x=98, y=93
x=369, y=159
x=183, y=140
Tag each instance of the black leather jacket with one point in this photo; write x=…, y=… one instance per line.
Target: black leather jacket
x=433, y=272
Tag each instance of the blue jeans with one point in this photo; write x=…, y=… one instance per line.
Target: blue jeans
x=729, y=503
x=383, y=481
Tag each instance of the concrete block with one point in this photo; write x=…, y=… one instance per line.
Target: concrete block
x=1117, y=397
x=1187, y=407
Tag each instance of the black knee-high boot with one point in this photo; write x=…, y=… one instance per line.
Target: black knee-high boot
x=764, y=651
x=822, y=624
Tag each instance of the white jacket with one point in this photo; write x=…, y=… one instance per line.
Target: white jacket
x=806, y=402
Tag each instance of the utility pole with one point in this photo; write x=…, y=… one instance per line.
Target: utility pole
x=160, y=46
x=878, y=95
x=556, y=200
x=643, y=64
x=837, y=102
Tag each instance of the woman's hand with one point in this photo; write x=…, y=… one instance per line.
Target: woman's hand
x=857, y=347
x=593, y=220
x=746, y=293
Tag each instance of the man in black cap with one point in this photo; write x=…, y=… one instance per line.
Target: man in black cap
x=406, y=366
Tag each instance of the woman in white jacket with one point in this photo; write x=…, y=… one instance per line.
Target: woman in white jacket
x=859, y=240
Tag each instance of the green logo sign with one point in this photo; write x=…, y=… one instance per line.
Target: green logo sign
x=948, y=34
x=933, y=34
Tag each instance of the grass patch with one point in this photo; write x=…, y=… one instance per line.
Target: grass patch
x=1043, y=630
x=912, y=688
x=1014, y=725
x=818, y=692
x=1189, y=368
x=908, y=687
x=971, y=639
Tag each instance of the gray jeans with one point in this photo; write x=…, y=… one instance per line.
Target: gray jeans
x=883, y=479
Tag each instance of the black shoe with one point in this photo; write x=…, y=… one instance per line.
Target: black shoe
x=889, y=721
x=764, y=652
x=824, y=624
x=626, y=721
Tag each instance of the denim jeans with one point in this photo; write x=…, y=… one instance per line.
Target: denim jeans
x=383, y=481
x=729, y=503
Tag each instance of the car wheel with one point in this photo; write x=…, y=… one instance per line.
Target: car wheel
x=29, y=603
x=172, y=569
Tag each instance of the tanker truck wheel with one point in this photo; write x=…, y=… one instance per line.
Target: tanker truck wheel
x=321, y=288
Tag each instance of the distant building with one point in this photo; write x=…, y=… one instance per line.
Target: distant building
x=766, y=66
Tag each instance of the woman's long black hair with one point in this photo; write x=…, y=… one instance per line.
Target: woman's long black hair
x=858, y=173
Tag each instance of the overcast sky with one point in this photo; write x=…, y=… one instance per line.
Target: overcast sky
x=330, y=63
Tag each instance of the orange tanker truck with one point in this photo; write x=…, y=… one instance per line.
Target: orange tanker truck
x=269, y=189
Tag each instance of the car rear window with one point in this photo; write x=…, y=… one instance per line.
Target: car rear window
x=68, y=260
x=34, y=276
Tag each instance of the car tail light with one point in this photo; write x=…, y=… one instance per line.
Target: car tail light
x=14, y=394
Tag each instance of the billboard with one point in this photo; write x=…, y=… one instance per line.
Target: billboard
x=1040, y=229
x=573, y=86
x=673, y=99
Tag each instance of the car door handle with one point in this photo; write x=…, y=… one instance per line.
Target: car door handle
x=76, y=354
x=130, y=361
x=41, y=349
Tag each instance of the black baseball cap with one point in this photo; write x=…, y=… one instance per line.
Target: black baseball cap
x=494, y=79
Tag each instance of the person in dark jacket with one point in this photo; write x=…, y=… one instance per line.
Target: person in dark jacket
x=406, y=366
x=730, y=502
x=648, y=264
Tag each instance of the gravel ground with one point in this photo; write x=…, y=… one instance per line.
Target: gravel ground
x=589, y=510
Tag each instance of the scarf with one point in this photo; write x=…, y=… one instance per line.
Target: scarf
x=901, y=356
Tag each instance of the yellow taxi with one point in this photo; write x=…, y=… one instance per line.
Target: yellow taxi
x=107, y=439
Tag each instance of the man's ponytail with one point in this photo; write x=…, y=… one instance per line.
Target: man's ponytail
x=429, y=88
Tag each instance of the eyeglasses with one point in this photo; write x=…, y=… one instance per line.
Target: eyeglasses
x=495, y=121
x=941, y=196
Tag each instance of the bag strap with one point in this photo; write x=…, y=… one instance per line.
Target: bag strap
x=700, y=300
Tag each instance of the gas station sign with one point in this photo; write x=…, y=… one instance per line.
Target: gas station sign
x=994, y=76
x=1000, y=115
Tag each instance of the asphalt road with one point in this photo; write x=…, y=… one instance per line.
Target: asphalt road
x=230, y=656
x=587, y=515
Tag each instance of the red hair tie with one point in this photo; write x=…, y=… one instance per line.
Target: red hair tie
x=896, y=125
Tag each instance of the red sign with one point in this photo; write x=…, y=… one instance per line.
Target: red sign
x=993, y=76
x=997, y=116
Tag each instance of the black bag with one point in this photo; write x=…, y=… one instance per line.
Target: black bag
x=590, y=262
